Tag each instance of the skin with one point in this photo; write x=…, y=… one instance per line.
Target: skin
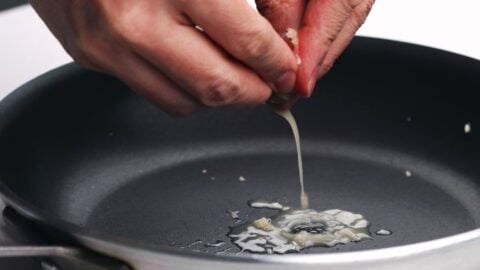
x=325, y=28
x=185, y=55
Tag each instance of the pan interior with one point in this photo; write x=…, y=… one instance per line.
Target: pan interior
x=181, y=204
x=81, y=147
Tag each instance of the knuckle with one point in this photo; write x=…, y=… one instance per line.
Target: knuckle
x=257, y=43
x=80, y=57
x=127, y=30
x=361, y=12
x=220, y=91
x=368, y=6
x=130, y=24
x=89, y=48
x=364, y=5
x=327, y=65
x=353, y=3
x=328, y=35
x=89, y=52
x=84, y=41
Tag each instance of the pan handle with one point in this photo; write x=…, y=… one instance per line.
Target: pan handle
x=58, y=258
x=52, y=256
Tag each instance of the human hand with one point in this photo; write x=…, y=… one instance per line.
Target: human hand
x=325, y=28
x=154, y=46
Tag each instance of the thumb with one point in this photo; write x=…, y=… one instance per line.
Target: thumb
x=282, y=14
x=285, y=16
x=327, y=28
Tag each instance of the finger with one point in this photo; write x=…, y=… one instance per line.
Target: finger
x=322, y=21
x=188, y=57
x=248, y=37
x=101, y=51
x=285, y=16
x=283, y=102
x=353, y=23
x=282, y=14
x=149, y=82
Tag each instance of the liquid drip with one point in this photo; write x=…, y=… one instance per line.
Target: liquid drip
x=293, y=125
x=295, y=229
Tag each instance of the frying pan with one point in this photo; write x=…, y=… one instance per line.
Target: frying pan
x=87, y=158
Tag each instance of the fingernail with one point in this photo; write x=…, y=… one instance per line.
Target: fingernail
x=286, y=82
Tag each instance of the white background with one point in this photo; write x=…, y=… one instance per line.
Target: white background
x=27, y=49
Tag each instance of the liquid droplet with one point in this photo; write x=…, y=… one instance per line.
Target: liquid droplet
x=408, y=173
x=234, y=214
x=218, y=243
x=204, y=171
x=242, y=179
x=240, y=252
x=468, y=128
x=195, y=243
x=223, y=251
x=383, y=232
x=261, y=203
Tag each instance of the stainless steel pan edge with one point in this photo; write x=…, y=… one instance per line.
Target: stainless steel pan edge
x=460, y=251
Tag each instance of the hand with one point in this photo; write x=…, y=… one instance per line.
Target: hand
x=325, y=28
x=181, y=54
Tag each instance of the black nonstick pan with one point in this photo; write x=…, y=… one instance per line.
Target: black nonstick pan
x=383, y=135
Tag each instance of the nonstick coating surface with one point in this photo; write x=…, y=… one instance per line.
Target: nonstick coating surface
x=81, y=147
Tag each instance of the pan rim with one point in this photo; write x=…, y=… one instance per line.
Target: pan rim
x=116, y=246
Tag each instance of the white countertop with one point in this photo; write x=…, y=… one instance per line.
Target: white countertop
x=27, y=49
